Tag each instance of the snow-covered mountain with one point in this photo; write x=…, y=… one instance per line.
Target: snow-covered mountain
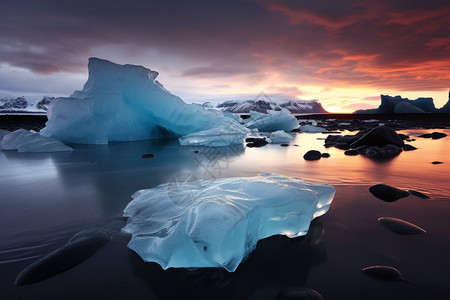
x=262, y=106
x=25, y=104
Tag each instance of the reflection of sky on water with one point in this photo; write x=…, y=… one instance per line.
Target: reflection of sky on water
x=46, y=198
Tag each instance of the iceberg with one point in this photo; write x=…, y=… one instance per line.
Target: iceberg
x=126, y=103
x=30, y=141
x=280, y=137
x=225, y=135
x=272, y=121
x=311, y=128
x=217, y=223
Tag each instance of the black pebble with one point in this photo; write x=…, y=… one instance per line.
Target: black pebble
x=387, y=193
x=147, y=155
x=400, y=226
x=383, y=272
x=312, y=155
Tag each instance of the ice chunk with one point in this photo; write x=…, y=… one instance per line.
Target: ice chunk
x=125, y=103
x=274, y=120
x=217, y=223
x=311, y=128
x=280, y=137
x=30, y=141
x=229, y=133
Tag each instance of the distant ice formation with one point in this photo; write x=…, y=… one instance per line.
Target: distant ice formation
x=280, y=137
x=30, y=141
x=272, y=121
x=217, y=223
x=263, y=106
x=127, y=103
x=311, y=128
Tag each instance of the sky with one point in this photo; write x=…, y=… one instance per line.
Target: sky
x=343, y=53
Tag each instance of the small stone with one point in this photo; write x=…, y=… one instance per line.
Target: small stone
x=387, y=193
x=438, y=135
x=325, y=155
x=400, y=226
x=147, y=155
x=284, y=145
x=437, y=162
x=383, y=273
x=351, y=152
x=408, y=147
x=312, y=155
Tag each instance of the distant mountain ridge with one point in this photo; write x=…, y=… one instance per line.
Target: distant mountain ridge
x=24, y=104
x=262, y=106
x=399, y=105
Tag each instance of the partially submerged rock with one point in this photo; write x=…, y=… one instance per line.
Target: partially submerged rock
x=79, y=248
x=379, y=136
x=400, y=226
x=408, y=147
x=387, y=193
x=147, y=155
x=434, y=135
x=419, y=194
x=312, y=155
x=256, y=142
x=383, y=272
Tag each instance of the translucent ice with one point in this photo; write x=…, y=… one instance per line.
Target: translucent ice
x=280, y=137
x=272, y=121
x=311, y=128
x=125, y=103
x=217, y=223
x=226, y=134
x=30, y=141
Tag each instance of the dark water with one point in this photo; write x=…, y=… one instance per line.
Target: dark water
x=46, y=198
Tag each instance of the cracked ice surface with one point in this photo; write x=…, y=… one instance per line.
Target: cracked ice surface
x=217, y=223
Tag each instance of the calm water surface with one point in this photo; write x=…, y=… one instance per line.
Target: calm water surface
x=46, y=198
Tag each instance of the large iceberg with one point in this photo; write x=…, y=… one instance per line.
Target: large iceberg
x=29, y=141
x=272, y=121
x=127, y=103
x=217, y=223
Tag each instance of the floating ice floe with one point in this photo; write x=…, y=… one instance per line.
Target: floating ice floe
x=312, y=129
x=272, y=121
x=217, y=223
x=127, y=103
x=30, y=141
x=225, y=135
x=280, y=137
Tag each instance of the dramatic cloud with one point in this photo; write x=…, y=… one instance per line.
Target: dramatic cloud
x=232, y=47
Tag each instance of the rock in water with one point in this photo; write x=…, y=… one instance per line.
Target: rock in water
x=383, y=272
x=387, y=193
x=312, y=155
x=419, y=194
x=217, y=223
x=325, y=155
x=408, y=147
x=80, y=247
x=148, y=155
x=400, y=226
x=437, y=162
x=351, y=152
x=379, y=136
x=299, y=294
x=438, y=135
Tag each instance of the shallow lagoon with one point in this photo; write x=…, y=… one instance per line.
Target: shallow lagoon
x=46, y=198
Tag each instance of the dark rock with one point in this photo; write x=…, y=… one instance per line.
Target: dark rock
x=387, y=193
x=386, y=152
x=147, y=155
x=351, y=152
x=299, y=293
x=438, y=135
x=256, y=142
x=379, y=136
x=403, y=136
x=284, y=145
x=437, y=162
x=325, y=155
x=419, y=194
x=44, y=103
x=363, y=149
x=408, y=147
x=383, y=272
x=80, y=247
x=342, y=146
x=312, y=155
x=400, y=226
x=196, y=151
x=425, y=135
